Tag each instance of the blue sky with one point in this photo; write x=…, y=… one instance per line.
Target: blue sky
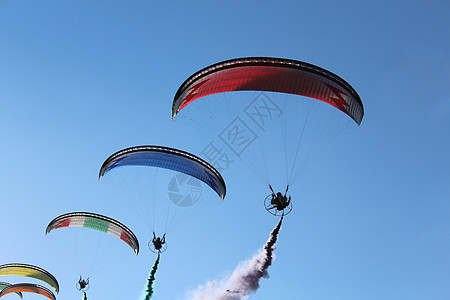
x=80, y=80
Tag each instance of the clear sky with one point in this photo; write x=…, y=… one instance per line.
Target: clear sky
x=80, y=80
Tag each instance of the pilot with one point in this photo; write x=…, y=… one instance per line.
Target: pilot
x=279, y=201
x=82, y=284
x=158, y=242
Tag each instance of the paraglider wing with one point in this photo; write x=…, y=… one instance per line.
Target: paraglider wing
x=5, y=284
x=97, y=222
x=29, y=288
x=29, y=271
x=168, y=158
x=272, y=75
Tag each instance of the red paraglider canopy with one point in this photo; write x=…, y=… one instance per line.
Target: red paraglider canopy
x=273, y=75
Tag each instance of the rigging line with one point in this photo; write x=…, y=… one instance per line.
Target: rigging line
x=102, y=254
x=298, y=146
x=307, y=157
x=285, y=141
x=176, y=221
x=196, y=207
x=126, y=181
x=181, y=213
x=265, y=163
x=154, y=199
x=82, y=239
x=327, y=127
x=173, y=218
x=259, y=174
x=246, y=163
x=167, y=217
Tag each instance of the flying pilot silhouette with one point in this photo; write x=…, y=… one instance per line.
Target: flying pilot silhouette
x=83, y=284
x=280, y=201
x=158, y=242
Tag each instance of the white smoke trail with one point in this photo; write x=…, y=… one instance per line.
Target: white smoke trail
x=245, y=278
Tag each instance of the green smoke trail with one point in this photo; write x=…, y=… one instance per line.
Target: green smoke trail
x=84, y=296
x=149, y=288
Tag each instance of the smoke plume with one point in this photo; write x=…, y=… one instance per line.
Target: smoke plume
x=148, y=292
x=245, y=278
